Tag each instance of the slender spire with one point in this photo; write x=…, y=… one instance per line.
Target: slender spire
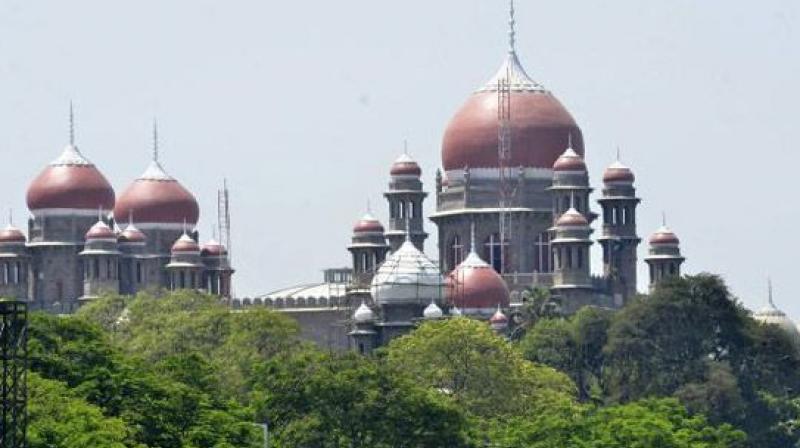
x=155, y=140
x=511, y=31
x=769, y=292
x=408, y=224
x=99, y=213
x=369, y=206
x=617, y=153
x=472, y=237
x=130, y=217
x=71, y=124
x=405, y=146
x=569, y=139
x=11, y=216
x=663, y=219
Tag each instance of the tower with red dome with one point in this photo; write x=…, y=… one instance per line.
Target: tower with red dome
x=405, y=196
x=368, y=249
x=539, y=129
x=664, y=257
x=14, y=263
x=64, y=200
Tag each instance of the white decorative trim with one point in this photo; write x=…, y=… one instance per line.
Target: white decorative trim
x=512, y=73
x=71, y=156
x=164, y=225
x=44, y=212
x=487, y=210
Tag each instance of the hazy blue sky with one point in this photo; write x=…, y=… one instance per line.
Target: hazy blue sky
x=304, y=105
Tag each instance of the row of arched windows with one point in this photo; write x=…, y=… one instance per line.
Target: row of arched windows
x=618, y=215
x=403, y=210
x=567, y=257
x=98, y=269
x=492, y=252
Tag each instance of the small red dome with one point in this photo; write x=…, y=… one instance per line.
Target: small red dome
x=185, y=244
x=618, y=173
x=405, y=166
x=540, y=125
x=100, y=231
x=11, y=234
x=368, y=224
x=156, y=197
x=213, y=248
x=132, y=235
x=498, y=318
x=570, y=161
x=664, y=236
x=474, y=284
x=572, y=218
x=70, y=182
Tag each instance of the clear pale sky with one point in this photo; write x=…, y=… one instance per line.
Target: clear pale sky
x=304, y=105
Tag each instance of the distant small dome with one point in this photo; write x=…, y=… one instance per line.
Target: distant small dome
x=368, y=224
x=100, y=231
x=405, y=166
x=432, y=311
x=772, y=315
x=214, y=248
x=663, y=236
x=572, y=218
x=499, y=321
x=131, y=234
x=12, y=234
x=406, y=277
x=364, y=314
x=70, y=182
x=618, y=173
x=569, y=161
x=455, y=311
x=185, y=244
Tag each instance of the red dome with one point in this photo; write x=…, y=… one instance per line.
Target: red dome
x=664, y=236
x=100, y=231
x=72, y=182
x=475, y=284
x=132, y=235
x=368, y=223
x=405, y=166
x=157, y=197
x=214, y=248
x=618, y=173
x=572, y=218
x=11, y=234
x=540, y=125
x=570, y=161
x=498, y=318
x=185, y=244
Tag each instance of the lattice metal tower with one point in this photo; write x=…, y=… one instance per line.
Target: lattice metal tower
x=14, y=358
x=504, y=161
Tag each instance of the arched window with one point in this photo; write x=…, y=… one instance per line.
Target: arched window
x=96, y=268
x=569, y=257
x=628, y=215
x=19, y=272
x=578, y=204
x=364, y=262
x=182, y=280
x=614, y=216
x=542, y=253
x=493, y=252
x=138, y=272
x=412, y=210
x=580, y=257
x=402, y=210
x=456, y=253
x=564, y=204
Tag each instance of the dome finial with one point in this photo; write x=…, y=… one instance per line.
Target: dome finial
x=511, y=31
x=472, y=237
x=618, y=153
x=130, y=217
x=369, y=206
x=569, y=139
x=664, y=219
x=155, y=140
x=405, y=146
x=71, y=124
x=408, y=224
x=769, y=292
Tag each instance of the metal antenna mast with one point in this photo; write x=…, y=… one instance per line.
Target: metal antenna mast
x=224, y=216
x=504, y=162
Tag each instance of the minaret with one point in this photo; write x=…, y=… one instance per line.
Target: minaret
x=571, y=252
x=363, y=335
x=100, y=259
x=405, y=197
x=185, y=268
x=571, y=184
x=664, y=256
x=618, y=238
x=14, y=263
x=368, y=248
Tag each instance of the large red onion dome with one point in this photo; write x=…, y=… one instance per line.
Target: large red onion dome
x=475, y=287
x=617, y=173
x=185, y=244
x=540, y=125
x=12, y=234
x=368, y=224
x=100, y=231
x=664, y=236
x=213, y=248
x=569, y=161
x=405, y=166
x=157, y=198
x=70, y=182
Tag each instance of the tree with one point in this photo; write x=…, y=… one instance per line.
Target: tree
x=483, y=373
x=325, y=400
x=60, y=419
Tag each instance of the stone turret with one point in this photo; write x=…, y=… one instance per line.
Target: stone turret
x=664, y=256
x=100, y=259
x=405, y=197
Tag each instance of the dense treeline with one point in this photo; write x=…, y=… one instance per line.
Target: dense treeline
x=686, y=367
